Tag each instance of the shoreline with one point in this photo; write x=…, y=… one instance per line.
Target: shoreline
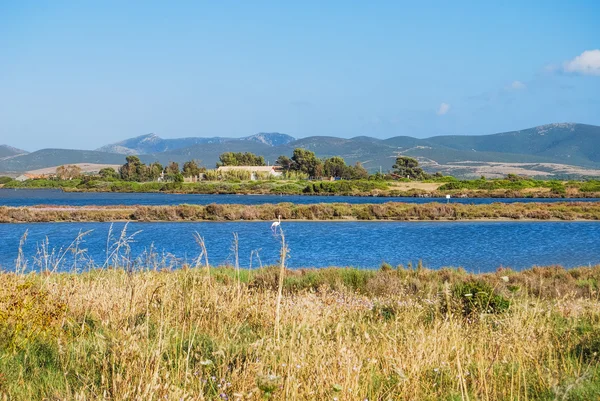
x=499, y=221
x=538, y=193
x=322, y=212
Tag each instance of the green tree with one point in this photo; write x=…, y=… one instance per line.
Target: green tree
x=307, y=162
x=336, y=167
x=358, y=172
x=154, y=171
x=191, y=169
x=133, y=169
x=108, y=173
x=240, y=159
x=172, y=172
x=172, y=168
x=408, y=167
x=285, y=163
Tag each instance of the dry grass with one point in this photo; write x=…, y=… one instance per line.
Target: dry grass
x=85, y=168
x=343, y=334
x=407, y=186
x=323, y=211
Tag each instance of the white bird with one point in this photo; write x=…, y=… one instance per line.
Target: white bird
x=276, y=224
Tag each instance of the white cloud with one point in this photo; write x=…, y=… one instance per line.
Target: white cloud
x=443, y=109
x=518, y=85
x=587, y=63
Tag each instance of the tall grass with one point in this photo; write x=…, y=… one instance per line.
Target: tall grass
x=72, y=338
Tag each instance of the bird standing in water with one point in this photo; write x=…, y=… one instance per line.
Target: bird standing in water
x=276, y=224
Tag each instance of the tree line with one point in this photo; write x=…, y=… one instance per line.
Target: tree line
x=135, y=170
x=307, y=162
x=303, y=161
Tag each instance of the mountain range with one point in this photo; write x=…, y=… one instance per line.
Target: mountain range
x=151, y=143
x=565, y=149
x=9, y=151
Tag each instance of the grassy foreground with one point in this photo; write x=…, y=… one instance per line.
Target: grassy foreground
x=343, y=334
x=322, y=211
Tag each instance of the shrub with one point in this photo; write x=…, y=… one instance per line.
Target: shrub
x=590, y=186
x=477, y=297
x=211, y=175
x=588, y=345
x=386, y=267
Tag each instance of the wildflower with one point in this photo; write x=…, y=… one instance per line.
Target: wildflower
x=504, y=278
x=206, y=362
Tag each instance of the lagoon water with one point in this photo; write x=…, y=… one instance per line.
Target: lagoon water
x=31, y=197
x=476, y=246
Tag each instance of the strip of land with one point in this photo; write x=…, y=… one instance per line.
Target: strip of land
x=391, y=211
x=439, y=188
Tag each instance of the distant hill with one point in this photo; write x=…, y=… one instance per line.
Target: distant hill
x=562, y=149
x=151, y=143
x=8, y=151
x=56, y=157
x=564, y=142
x=270, y=138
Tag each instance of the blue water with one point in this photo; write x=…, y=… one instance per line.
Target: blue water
x=476, y=246
x=30, y=197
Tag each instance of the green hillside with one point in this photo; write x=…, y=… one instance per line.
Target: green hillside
x=577, y=144
x=562, y=144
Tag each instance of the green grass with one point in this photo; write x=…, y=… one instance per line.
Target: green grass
x=514, y=187
x=496, y=184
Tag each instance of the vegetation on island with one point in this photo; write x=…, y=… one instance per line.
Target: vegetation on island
x=303, y=173
x=324, y=211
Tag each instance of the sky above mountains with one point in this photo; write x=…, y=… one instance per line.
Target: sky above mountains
x=83, y=74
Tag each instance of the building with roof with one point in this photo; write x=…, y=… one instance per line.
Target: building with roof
x=274, y=171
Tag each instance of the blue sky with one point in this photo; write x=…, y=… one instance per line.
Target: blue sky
x=82, y=74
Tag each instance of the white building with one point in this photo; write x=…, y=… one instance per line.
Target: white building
x=275, y=171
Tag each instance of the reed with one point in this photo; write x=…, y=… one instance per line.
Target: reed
x=323, y=211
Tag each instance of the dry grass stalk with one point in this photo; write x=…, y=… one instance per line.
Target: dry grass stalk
x=283, y=256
